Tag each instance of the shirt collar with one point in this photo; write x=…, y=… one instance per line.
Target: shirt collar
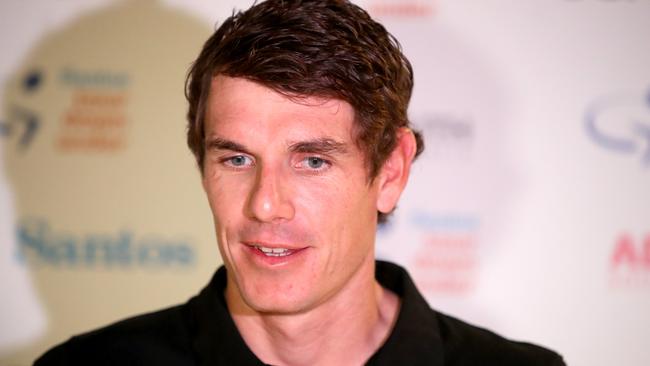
x=217, y=340
x=414, y=340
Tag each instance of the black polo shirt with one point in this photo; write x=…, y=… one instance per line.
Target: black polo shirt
x=201, y=332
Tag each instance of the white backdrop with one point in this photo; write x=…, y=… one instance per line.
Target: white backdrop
x=529, y=212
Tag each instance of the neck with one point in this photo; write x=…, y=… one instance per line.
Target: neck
x=344, y=330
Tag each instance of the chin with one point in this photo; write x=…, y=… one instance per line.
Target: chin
x=275, y=301
x=274, y=305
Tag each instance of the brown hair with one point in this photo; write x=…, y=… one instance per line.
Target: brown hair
x=324, y=48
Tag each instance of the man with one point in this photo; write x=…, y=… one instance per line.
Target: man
x=298, y=123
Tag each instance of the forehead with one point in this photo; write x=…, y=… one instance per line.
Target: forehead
x=240, y=106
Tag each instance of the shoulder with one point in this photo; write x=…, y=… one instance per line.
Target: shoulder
x=158, y=338
x=422, y=335
x=466, y=344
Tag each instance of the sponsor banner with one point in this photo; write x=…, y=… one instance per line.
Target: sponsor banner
x=447, y=258
x=107, y=198
x=527, y=213
x=40, y=245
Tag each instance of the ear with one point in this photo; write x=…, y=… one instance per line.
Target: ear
x=394, y=173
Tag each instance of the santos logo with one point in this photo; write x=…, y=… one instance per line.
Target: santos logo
x=39, y=245
x=621, y=123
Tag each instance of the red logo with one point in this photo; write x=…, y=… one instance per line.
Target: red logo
x=447, y=263
x=402, y=8
x=630, y=261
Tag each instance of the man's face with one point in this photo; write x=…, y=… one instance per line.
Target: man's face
x=294, y=213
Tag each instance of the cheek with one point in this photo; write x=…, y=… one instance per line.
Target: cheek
x=226, y=196
x=333, y=206
x=211, y=186
x=226, y=200
x=324, y=200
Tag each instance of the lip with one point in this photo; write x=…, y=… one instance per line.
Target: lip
x=261, y=243
x=261, y=259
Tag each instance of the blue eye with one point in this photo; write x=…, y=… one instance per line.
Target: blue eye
x=238, y=161
x=314, y=162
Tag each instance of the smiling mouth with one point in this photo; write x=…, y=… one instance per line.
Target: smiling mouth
x=274, y=252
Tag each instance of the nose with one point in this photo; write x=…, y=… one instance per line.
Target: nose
x=269, y=199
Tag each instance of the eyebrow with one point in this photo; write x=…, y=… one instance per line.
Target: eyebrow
x=217, y=143
x=319, y=146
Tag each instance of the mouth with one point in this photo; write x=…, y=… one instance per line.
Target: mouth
x=274, y=252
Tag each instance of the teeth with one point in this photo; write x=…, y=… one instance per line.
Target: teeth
x=274, y=252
